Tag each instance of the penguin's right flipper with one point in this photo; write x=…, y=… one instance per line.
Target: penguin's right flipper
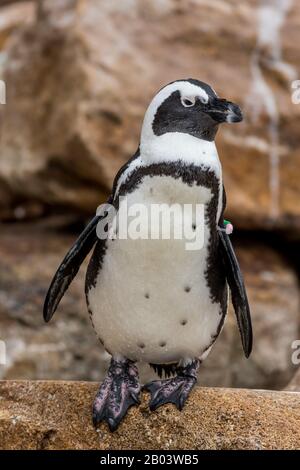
x=76, y=255
x=238, y=292
x=69, y=268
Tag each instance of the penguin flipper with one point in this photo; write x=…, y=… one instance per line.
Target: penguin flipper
x=238, y=292
x=76, y=255
x=69, y=267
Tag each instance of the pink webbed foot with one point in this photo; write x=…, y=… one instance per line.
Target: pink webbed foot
x=175, y=390
x=119, y=391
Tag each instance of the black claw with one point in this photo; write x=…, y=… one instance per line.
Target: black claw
x=156, y=404
x=152, y=406
x=135, y=399
x=181, y=402
x=112, y=424
x=95, y=420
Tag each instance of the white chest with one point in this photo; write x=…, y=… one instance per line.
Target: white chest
x=151, y=301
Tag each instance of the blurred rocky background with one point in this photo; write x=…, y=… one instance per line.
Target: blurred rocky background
x=79, y=75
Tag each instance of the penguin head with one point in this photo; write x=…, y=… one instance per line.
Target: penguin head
x=190, y=107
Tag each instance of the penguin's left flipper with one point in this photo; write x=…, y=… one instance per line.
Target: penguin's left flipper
x=69, y=268
x=238, y=292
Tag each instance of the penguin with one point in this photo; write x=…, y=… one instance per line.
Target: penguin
x=153, y=300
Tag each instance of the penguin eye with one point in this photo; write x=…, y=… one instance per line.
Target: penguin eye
x=188, y=102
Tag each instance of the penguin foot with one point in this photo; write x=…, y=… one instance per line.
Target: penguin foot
x=118, y=392
x=175, y=390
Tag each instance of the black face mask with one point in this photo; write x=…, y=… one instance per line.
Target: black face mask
x=197, y=119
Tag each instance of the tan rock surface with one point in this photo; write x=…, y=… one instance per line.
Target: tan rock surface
x=81, y=77
x=57, y=415
x=14, y=16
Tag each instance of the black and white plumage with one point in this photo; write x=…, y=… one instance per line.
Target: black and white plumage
x=153, y=300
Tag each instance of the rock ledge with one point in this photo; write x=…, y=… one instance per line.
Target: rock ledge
x=56, y=415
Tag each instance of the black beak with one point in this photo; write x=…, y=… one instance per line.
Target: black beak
x=224, y=111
